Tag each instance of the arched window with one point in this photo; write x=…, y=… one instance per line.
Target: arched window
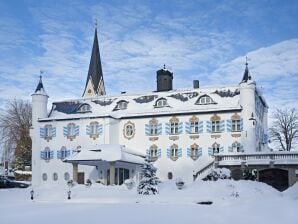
x=215, y=148
x=205, y=99
x=174, y=152
x=121, y=105
x=84, y=108
x=162, y=102
x=71, y=130
x=63, y=153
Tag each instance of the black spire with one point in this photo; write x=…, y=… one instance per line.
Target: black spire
x=40, y=85
x=246, y=75
x=95, y=71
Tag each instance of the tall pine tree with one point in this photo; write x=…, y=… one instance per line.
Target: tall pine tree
x=149, y=181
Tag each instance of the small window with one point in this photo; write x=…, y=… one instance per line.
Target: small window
x=153, y=127
x=84, y=108
x=121, y=105
x=236, y=147
x=66, y=176
x=174, y=152
x=194, y=127
x=170, y=175
x=215, y=148
x=194, y=151
x=63, y=152
x=161, y=103
x=236, y=125
x=93, y=128
x=205, y=99
x=129, y=130
x=44, y=177
x=47, y=154
x=48, y=131
x=55, y=176
x=153, y=153
x=174, y=128
x=215, y=126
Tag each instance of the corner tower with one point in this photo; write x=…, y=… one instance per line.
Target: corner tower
x=94, y=83
x=164, y=79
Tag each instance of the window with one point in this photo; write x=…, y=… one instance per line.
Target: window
x=66, y=176
x=216, y=126
x=48, y=131
x=205, y=100
x=170, y=175
x=44, y=177
x=129, y=130
x=84, y=108
x=153, y=155
x=47, y=153
x=93, y=128
x=63, y=153
x=236, y=125
x=236, y=147
x=121, y=105
x=153, y=127
x=174, y=151
x=194, y=127
x=161, y=102
x=55, y=176
x=215, y=148
x=174, y=128
x=71, y=129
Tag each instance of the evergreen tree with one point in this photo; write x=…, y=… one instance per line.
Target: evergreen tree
x=148, y=183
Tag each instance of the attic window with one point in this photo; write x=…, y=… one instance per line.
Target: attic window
x=161, y=103
x=121, y=105
x=84, y=108
x=205, y=99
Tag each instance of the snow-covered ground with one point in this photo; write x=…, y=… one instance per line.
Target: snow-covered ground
x=256, y=203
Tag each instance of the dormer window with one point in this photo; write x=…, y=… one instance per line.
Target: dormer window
x=121, y=105
x=161, y=103
x=84, y=108
x=205, y=99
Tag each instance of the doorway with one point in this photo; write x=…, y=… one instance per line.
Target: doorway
x=121, y=174
x=81, y=178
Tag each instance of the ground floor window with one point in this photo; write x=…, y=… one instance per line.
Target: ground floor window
x=66, y=176
x=55, y=176
x=44, y=177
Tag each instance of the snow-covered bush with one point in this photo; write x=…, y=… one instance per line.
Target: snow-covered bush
x=250, y=174
x=218, y=173
x=149, y=181
x=129, y=183
x=88, y=182
x=179, y=183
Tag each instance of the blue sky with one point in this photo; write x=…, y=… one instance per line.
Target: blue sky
x=205, y=40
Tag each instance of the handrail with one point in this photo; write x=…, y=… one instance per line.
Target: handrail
x=208, y=166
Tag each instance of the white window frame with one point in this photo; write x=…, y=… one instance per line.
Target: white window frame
x=153, y=129
x=71, y=130
x=174, y=128
x=215, y=126
x=236, y=125
x=48, y=131
x=194, y=127
x=161, y=103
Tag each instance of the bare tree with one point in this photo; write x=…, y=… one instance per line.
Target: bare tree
x=284, y=128
x=15, y=122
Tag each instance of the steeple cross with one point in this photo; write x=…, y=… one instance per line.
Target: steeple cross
x=95, y=23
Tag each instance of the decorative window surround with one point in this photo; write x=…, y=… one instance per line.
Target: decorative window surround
x=63, y=153
x=194, y=152
x=71, y=131
x=47, y=154
x=48, y=132
x=194, y=126
x=174, y=152
x=94, y=130
x=129, y=130
x=174, y=127
x=153, y=153
x=153, y=128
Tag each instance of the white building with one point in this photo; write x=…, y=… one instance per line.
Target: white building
x=105, y=138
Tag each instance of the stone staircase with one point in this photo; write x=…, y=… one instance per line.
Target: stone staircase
x=202, y=173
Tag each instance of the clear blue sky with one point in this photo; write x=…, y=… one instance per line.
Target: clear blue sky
x=205, y=40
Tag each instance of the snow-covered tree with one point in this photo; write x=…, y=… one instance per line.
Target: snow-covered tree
x=149, y=181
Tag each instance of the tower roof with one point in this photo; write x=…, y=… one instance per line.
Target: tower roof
x=246, y=75
x=95, y=70
x=40, y=89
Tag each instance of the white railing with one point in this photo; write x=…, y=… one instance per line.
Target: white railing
x=276, y=157
x=204, y=171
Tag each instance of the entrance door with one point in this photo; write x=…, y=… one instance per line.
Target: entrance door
x=121, y=175
x=81, y=178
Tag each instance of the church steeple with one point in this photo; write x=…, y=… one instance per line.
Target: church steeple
x=94, y=84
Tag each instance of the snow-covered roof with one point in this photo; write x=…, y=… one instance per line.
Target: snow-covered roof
x=106, y=152
x=178, y=102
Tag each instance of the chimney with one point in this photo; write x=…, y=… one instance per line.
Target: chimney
x=196, y=84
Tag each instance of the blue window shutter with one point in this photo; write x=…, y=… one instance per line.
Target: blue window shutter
x=180, y=152
x=147, y=129
x=229, y=125
x=168, y=128
x=221, y=150
x=65, y=131
x=53, y=132
x=180, y=128
x=187, y=127
x=159, y=129
x=222, y=125
x=230, y=149
x=77, y=130
x=158, y=153
x=210, y=151
x=200, y=152
x=51, y=154
x=88, y=129
x=208, y=126
x=67, y=153
x=168, y=153
x=241, y=124
x=188, y=152
x=201, y=125
x=59, y=154
x=99, y=129
x=42, y=132
x=42, y=154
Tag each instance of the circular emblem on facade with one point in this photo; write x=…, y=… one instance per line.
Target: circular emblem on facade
x=129, y=130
